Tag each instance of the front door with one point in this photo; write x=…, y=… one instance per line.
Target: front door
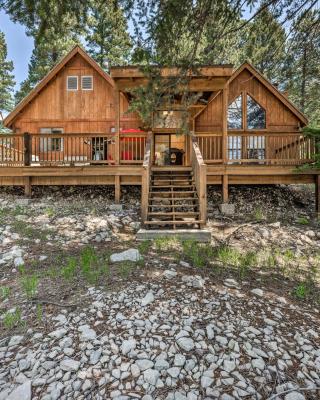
x=169, y=149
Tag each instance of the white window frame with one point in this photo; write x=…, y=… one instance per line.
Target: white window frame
x=45, y=145
x=72, y=76
x=87, y=76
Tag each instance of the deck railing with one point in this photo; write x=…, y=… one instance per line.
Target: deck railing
x=257, y=148
x=200, y=176
x=70, y=149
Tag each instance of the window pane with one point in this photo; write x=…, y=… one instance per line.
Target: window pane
x=235, y=114
x=256, y=115
x=234, y=147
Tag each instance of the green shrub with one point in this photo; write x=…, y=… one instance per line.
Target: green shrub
x=12, y=319
x=303, y=221
x=68, y=271
x=4, y=292
x=144, y=246
x=30, y=285
x=197, y=254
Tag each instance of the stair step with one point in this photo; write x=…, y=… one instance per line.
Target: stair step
x=178, y=214
x=173, y=187
x=175, y=192
x=172, y=205
x=172, y=199
x=173, y=222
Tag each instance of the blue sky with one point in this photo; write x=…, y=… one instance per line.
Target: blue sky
x=19, y=47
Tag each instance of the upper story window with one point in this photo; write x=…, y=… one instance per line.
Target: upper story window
x=235, y=114
x=256, y=115
x=72, y=83
x=246, y=114
x=87, y=82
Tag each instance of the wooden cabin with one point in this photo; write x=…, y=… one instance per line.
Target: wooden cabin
x=74, y=128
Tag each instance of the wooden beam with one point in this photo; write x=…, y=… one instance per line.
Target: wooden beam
x=225, y=189
x=117, y=189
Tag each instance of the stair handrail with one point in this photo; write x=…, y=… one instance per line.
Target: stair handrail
x=199, y=168
x=145, y=178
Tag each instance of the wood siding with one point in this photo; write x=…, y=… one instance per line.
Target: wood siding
x=80, y=111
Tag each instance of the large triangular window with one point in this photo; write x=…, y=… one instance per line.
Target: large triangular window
x=235, y=114
x=256, y=115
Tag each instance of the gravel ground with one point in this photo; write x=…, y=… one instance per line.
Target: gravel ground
x=88, y=313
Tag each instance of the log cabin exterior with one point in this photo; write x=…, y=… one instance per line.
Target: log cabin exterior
x=74, y=129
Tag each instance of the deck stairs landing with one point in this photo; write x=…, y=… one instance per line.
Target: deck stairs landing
x=173, y=201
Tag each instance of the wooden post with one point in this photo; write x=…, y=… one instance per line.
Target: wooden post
x=144, y=193
x=317, y=194
x=27, y=186
x=117, y=189
x=117, y=127
x=225, y=124
x=27, y=148
x=225, y=189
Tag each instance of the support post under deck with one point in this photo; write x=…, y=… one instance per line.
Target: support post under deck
x=225, y=189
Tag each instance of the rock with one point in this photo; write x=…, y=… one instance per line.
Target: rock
x=231, y=283
x=15, y=341
x=229, y=366
x=144, y=364
x=18, y=262
x=294, y=396
x=95, y=356
x=170, y=273
x=128, y=345
x=227, y=208
x=206, y=381
x=173, y=372
x=58, y=334
x=179, y=360
x=69, y=365
x=161, y=364
x=185, y=343
x=128, y=255
x=258, y=363
x=115, y=207
x=22, y=392
x=87, y=333
x=198, y=282
x=257, y=292
x=151, y=376
x=148, y=298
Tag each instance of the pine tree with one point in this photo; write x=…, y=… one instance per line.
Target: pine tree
x=6, y=79
x=108, y=40
x=303, y=66
x=263, y=45
x=47, y=53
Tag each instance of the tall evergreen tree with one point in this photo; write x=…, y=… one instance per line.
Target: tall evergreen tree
x=108, y=40
x=303, y=66
x=47, y=52
x=6, y=79
x=263, y=45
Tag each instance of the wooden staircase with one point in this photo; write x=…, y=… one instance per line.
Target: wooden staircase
x=173, y=201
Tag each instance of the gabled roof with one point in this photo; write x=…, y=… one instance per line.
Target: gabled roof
x=54, y=71
x=271, y=88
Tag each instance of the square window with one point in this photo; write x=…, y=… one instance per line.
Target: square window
x=87, y=82
x=72, y=83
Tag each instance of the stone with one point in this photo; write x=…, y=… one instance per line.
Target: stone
x=231, y=283
x=95, y=356
x=258, y=363
x=227, y=208
x=18, y=262
x=294, y=396
x=170, y=273
x=179, y=360
x=144, y=364
x=161, y=364
x=69, y=365
x=206, y=381
x=151, y=376
x=87, y=333
x=229, y=366
x=127, y=255
x=148, y=299
x=173, y=372
x=128, y=345
x=58, y=334
x=22, y=392
x=257, y=292
x=15, y=341
x=185, y=343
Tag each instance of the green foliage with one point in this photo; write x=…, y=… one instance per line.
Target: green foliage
x=301, y=291
x=258, y=214
x=4, y=292
x=144, y=246
x=69, y=271
x=303, y=221
x=197, y=254
x=50, y=212
x=12, y=318
x=314, y=133
x=107, y=36
x=39, y=312
x=6, y=79
x=125, y=268
x=30, y=285
x=228, y=255
x=165, y=243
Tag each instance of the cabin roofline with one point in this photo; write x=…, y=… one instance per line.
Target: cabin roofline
x=8, y=121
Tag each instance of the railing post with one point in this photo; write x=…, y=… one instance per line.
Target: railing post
x=27, y=148
x=145, y=178
x=117, y=138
